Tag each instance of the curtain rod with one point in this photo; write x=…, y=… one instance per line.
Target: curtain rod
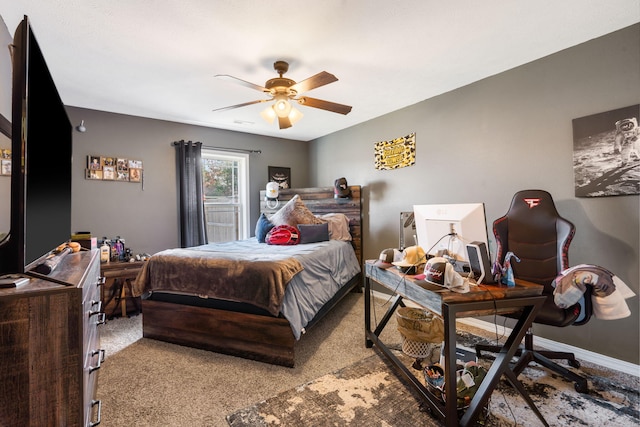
x=235, y=150
x=238, y=150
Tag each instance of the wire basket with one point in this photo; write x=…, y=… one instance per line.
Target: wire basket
x=422, y=333
x=421, y=350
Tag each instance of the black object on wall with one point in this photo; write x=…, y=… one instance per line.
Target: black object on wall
x=41, y=160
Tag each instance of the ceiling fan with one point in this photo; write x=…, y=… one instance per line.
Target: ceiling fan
x=283, y=90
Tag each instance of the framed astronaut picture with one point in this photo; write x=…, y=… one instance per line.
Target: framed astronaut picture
x=606, y=153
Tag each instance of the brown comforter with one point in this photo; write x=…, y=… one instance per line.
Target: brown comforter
x=259, y=279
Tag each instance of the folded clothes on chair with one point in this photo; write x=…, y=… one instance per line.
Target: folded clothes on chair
x=608, y=291
x=613, y=306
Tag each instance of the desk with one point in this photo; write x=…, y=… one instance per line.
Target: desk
x=116, y=291
x=480, y=301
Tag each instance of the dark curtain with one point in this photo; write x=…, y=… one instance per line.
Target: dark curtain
x=193, y=230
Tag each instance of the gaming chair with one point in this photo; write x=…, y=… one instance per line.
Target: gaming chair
x=533, y=230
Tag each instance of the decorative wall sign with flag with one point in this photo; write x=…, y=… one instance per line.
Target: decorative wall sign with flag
x=395, y=154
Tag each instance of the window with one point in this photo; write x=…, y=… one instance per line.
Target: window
x=225, y=182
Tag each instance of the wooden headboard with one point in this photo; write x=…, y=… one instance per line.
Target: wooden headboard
x=320, y=201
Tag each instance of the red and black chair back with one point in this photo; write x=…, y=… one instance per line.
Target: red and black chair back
x=533, y=230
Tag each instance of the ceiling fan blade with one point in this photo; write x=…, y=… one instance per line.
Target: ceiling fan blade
x=242, y=82
x=313, y=82
x=241, y=105
x=284, y=122
x=324, y=105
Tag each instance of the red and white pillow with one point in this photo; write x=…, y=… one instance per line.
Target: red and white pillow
x=283, y=235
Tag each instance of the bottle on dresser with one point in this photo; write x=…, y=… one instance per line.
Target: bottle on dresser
x=105, y=250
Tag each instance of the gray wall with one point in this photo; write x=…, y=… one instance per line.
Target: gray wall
x=147, y=217
x=513, y=131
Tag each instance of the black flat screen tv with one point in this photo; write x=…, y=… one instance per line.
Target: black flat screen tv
x=41, y=144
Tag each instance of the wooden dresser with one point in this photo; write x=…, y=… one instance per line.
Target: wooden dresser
x=50, y=347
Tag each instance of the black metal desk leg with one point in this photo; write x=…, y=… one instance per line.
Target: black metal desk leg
x=396, y=301
x=451, y=404
x=367, y=312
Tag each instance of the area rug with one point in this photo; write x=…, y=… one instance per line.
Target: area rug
x=368, y=393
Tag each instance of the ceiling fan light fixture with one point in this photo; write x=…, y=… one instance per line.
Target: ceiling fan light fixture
x=284, y=91
x=269, y=114
x=282, y=107
x=295, y=115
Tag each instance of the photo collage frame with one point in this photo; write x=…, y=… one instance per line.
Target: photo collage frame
x=113, y=169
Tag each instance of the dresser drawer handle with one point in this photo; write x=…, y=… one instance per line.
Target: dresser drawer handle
x=98, y=412
x=102, y=318
x=101, y=281
x=99, y=304
x=101, y=352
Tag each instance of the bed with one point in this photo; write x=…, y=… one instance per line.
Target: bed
x=203, y=297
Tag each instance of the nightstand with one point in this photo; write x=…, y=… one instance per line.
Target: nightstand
x=116, y=292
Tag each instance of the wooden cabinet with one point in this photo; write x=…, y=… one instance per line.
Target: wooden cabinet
x=116, y=292
x=50, y=347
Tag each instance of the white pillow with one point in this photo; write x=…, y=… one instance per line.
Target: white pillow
x=338, y=226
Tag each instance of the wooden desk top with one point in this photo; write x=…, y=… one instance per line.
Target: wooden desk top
x=432, y=296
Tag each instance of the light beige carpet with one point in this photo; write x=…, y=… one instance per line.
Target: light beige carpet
x=145, y=382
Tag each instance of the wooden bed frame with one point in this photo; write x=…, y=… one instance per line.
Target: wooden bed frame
x=245, y=333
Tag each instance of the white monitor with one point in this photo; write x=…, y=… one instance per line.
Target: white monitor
x=445, y=230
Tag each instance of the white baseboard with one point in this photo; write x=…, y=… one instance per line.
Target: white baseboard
x=580, y=353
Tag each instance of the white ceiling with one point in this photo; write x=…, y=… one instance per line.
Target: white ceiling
x=158, y=58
